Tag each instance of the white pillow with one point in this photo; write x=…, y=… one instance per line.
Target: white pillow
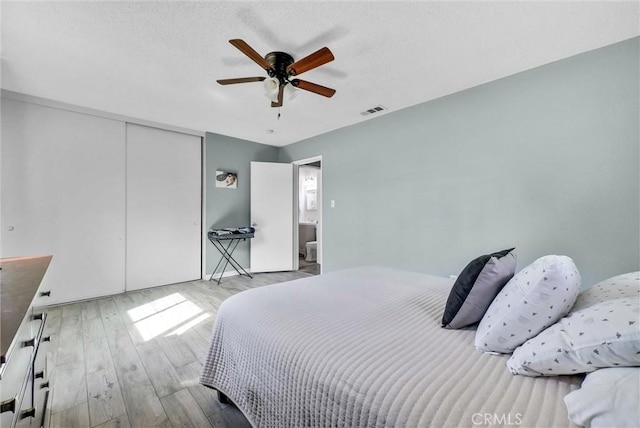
x=607, y=398
x=535, y=298
x=603, y=335
x=625, y=285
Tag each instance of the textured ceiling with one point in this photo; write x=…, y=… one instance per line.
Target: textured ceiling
x=159, y=61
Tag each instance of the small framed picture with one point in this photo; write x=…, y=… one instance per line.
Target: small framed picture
x=227, y=179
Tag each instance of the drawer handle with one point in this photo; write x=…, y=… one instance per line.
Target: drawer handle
x=46, y=339
x=29, y=413
x=8, y=406
x=44, y=409
x=39, y=375
x=44, y=385
x=45, y=293
x=37, y=317
x=30, y=342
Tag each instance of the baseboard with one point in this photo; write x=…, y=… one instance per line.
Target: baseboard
x=226, y=274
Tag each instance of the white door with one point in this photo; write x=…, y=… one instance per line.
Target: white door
x=163, y=207
x=63, y=194
x=272, y=216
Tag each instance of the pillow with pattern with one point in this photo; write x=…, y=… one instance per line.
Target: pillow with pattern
x=476, y=286
x=535, y=298
x=625, y=285
x=603, y=335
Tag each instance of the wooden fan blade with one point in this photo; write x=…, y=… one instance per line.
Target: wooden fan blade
x=280, y=97
x=251, y=53
x=240, y=80
x=313, y=87
x=316, y=59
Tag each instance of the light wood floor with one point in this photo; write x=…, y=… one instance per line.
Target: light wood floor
x=133, y=360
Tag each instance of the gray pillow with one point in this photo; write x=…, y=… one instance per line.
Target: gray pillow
x=478, y=283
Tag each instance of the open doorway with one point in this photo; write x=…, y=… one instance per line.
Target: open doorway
x=308, y=215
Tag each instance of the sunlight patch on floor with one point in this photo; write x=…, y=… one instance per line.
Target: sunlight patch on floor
x=194, y=322
x=143, y=311
x=172, y=313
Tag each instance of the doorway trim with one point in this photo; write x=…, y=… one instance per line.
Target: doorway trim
x=296, y=204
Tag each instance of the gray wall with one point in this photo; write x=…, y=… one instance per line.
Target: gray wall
x=546, y=161
x=230, y=207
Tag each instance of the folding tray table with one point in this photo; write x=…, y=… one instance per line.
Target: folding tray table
x=231, y=237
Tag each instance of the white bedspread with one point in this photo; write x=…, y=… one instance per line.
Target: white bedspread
x=364, y=348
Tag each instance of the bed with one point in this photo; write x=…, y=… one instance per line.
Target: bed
x=364, y=347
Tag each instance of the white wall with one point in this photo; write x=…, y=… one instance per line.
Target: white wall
x=546, y=161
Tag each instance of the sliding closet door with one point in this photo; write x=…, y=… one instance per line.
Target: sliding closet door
x=63, y=194
x=163, y=212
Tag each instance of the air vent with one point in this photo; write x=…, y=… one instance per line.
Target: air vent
x=373, y=110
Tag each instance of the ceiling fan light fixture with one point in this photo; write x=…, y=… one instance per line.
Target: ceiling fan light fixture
x=290, y=91
x=271, y=88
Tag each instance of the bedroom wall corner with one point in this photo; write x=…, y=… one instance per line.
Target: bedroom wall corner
x=230, y=207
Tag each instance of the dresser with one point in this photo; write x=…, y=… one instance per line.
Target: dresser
x=24, y=375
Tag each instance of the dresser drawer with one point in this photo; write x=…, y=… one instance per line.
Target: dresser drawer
x=24, y=375
x=16, y=372
x=43, y=370
x=21, y=339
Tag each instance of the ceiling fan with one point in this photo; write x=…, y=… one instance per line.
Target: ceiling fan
x=281, y=69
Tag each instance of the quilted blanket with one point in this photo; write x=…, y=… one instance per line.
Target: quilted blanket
x=364, y=348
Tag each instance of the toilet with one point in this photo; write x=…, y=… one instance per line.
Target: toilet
x=311, y=251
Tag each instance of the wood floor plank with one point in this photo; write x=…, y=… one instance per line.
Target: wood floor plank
x=206, y=398
x=206, y=327
x=161, y=372
x=108, y=307
x=69, y=387
x=73, y=417
x=97, y=356
x=90, y=310
x=70, y=339
x=124, y=302
x=93, y=329
x=143, y=405
x=121, y=421
x=72, y=310
x=176, y=350
x=202, y=296
x=71, y=324
x=70, y=349
x=119, y=338
x=104, y=396
x=183, y=411
x=111, y=318
x=135, y=333
x=54, y=318
x=197, y=344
